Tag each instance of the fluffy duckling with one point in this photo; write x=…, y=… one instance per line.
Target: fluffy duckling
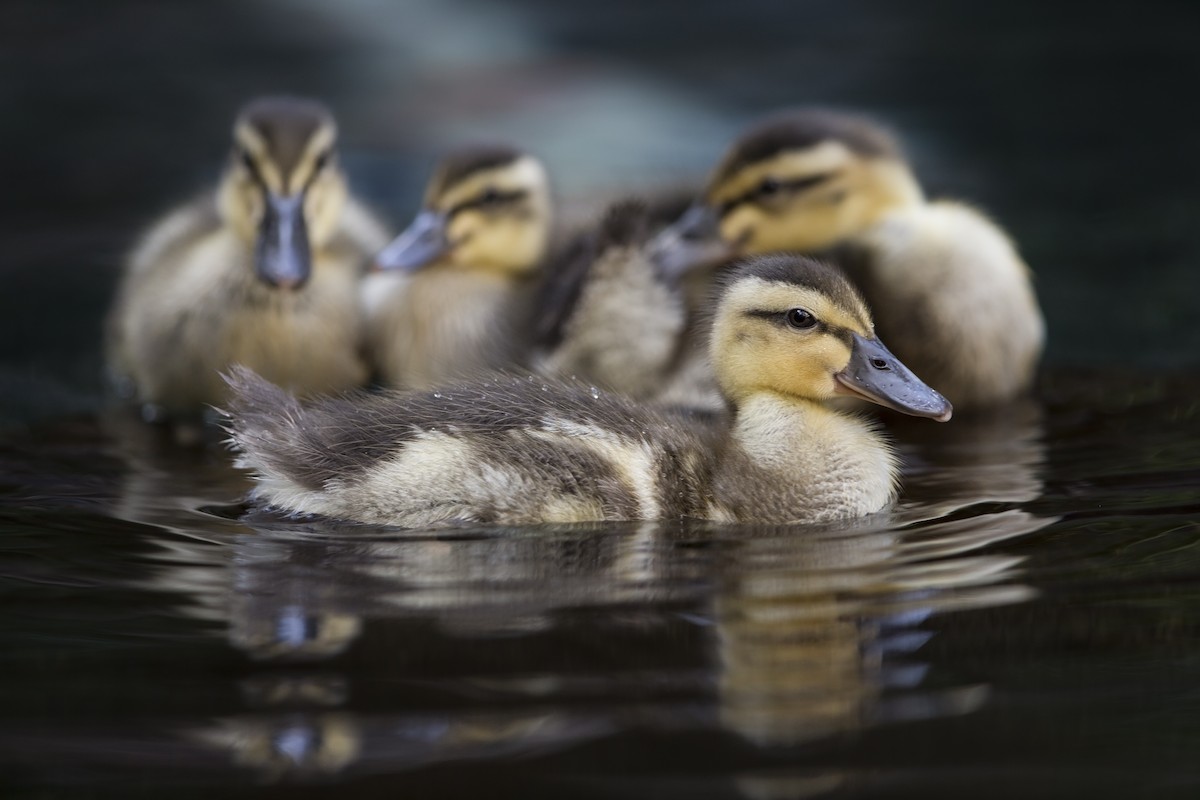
x=949, y=291
x=605, y=313
x=453, y=293
x=788, y=335
x=263, y=271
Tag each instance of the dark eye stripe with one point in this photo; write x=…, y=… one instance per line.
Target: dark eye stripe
x=250, y=164
x=323, y=160
x=491, y=200
x=780, y=318
x=780, y=187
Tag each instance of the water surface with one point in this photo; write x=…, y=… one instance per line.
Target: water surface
x=1023, y=622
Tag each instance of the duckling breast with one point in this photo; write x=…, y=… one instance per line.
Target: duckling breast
x=804, y=464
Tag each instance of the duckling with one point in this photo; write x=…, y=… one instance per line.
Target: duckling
x=455, y=284
x=788, y=335
x=263, y=271
x=605, y=313
x=947, y=286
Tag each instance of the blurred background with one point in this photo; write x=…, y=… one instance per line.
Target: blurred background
x=1073, y=124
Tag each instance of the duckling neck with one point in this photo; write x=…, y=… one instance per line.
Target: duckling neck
x=452, y=323
x=801, y=461
x=891, y=187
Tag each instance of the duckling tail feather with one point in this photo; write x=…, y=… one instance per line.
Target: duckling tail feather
x=263, y=420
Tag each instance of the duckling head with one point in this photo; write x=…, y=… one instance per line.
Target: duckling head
x=283, y=190
x=791, y=326
x=796, y=181
x=487, y=208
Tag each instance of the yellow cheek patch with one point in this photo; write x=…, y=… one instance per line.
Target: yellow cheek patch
x=806, y=365
x=752, y=353
x=739, y=223
x=463, y=225
x=505, y=242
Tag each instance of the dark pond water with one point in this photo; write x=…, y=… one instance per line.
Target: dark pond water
x=1025, y=623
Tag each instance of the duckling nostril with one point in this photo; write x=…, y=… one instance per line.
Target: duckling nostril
x=880, y=363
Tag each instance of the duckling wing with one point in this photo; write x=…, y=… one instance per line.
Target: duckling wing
x=625, y=224
x=558, y=291
x=149, y=273
x=604, y=311
x=513, y=449
x=177, y=231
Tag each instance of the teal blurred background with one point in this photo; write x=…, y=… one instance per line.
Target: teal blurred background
x=1073, y=124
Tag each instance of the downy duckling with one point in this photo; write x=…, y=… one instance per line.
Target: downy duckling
x=263, y=271
x=788, y=335
x=605, y=313
x=453, y=293
x=948, y=289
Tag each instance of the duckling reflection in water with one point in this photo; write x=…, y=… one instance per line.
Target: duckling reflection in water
x=816, y=632
x=264, y=271
x=949, y=292
x=453, y=293
x=288, y=745
x=788, y=335
x=814, y=629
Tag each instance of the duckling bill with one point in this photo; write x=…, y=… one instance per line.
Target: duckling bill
x=282, y=255
x=789, y=334
x=875, y=375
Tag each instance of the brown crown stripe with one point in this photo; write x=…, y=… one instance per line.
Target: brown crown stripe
x=286, y=125
x=802, y=129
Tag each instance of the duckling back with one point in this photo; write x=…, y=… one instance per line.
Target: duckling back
x=508, y=450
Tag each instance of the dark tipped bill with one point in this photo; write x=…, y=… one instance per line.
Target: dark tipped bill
x=282, y=255
x=875, y=374
x=423, y=242
x=693, y=241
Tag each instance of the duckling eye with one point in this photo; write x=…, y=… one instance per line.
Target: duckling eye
x=799, y=318
x=489, y=197
x=247, y=160
x=322, y=161
x=769, y=186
